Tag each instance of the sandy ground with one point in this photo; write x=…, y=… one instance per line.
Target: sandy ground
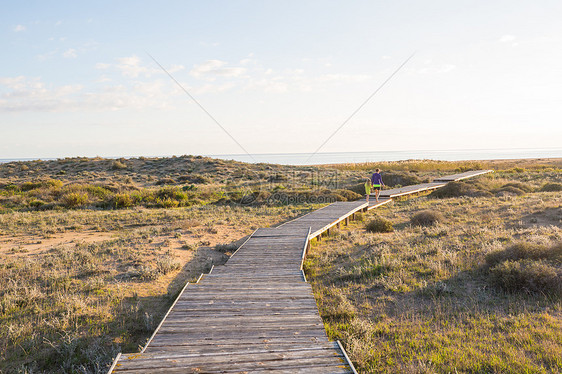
x=28, y=245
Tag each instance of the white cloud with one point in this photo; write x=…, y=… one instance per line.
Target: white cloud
x=19, y=28
x=507, y=39
x=29, y=94
x=213, y=88
x=435, y=68
x=212, y=68
x=175, y=68
x=344, y=78
x=102, y=66
x=130, y=66
x=70, y=53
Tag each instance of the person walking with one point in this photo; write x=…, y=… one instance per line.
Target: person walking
x=377, y=183
x=368, y=188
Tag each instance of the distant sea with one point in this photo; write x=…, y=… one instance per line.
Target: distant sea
x=355, y=157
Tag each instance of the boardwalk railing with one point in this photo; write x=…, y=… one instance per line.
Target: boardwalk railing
x=257, y=312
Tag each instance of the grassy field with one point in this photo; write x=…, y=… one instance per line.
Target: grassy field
x=469, y=280
x=77, y=287
x=93, y=252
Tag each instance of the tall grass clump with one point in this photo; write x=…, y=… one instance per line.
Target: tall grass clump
x=458, y=189
x=427, y=218
x=379, y=224
x=527, y=267
x=551, y=187
x=75, y=199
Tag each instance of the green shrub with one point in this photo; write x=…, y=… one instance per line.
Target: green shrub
x=195, y=179
x=167, y=203
x=400, y=178
x=173, y=193
x=118, y=165
x=348, y=195
x=54, y=183
x=427, y=218
x=458, y=189
x=28, y=186
x=166, y=264
x=453, y=189
x=122, y=200
x=97, y=191
x=358, y=188
x=36, y=203
x=512, y=190
x=379, y=224
x=527, y=275
x=75, y=199
x=527, y=267
x=524, y=250
x=551, y=187
x=521, y=186
x=165, y=181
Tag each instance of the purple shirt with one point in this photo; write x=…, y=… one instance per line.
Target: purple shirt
x=377, y=179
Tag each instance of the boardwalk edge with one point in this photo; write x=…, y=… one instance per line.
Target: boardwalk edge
x=346, y=357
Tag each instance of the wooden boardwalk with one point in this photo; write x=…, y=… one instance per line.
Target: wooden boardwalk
x=256, y=313
x=437, y=183
x=322, y=220
x=460, y=176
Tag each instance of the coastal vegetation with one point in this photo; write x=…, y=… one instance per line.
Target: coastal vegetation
x=94, y=251
x=468, y=282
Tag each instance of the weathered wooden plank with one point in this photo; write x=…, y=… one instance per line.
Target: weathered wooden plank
x=295, y=340
x=233, y=363
x=234, y=347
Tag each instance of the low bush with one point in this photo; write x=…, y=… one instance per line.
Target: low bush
x=527, y=275
x=75, y=199
x=166, y=264
x=427, y=218
x=122, y=200
x=521, y=186
x=379, y=224
x=400, y=178
x=510, y=190
x=524, y=250
x=527, y=267
x=118, y=165
x=195, y=179
x=458, y=189
x=551, y=187
x=358, y=188
x=165, y=181
x=309, y=196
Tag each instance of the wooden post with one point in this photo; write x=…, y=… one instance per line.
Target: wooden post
x=346, y=221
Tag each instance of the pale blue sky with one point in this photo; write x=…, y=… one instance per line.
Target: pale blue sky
x=76, y=80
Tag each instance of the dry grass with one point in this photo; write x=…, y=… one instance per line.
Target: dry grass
x=70, y=307
x=424, y=299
